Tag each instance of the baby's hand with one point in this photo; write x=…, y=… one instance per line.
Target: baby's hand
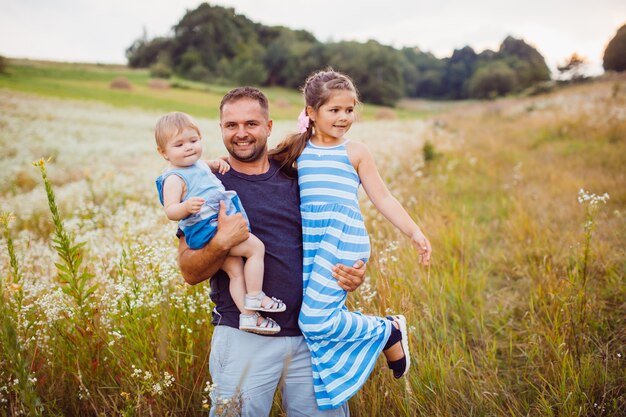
x=423, y=247
x=218, y=165
x=194, y=204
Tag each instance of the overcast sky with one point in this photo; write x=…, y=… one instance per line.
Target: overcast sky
x=101, y=30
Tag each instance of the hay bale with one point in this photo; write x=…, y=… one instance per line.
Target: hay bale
x=121, y=83
x=159, y=84
x=385, y=114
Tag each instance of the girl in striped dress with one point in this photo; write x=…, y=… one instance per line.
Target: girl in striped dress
x=344, y=345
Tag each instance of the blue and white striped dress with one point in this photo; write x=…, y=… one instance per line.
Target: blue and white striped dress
x=344, y=345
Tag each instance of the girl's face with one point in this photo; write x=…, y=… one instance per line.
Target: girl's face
x=184, y=149
x=335, y=117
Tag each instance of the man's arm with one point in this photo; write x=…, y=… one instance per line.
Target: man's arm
x=201, y=264
x=350, y=278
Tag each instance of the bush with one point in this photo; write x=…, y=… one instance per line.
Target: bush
x=198, y=73
x=121, y=83
x=492, y=80
x=428, y=151
x=3, y=65
x=160, y=70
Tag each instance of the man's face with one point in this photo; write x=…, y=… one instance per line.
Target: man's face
x=245, y=129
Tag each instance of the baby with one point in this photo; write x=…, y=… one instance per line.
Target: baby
x=191, y=194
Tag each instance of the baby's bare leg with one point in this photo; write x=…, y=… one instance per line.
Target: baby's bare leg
x=233, y=266
x=254, y=252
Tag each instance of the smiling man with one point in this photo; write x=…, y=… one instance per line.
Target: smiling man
x=242, y=362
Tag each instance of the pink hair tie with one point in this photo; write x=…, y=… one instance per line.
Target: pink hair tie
x=303, y=121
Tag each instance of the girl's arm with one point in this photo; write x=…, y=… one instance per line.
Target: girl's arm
x=379, y=194
x=173, y=192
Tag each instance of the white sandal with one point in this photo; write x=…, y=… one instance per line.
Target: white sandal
x=255, y=302
x=251, y=323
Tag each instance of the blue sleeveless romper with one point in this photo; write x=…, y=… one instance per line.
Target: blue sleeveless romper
x=344, y=345
x=200, y=227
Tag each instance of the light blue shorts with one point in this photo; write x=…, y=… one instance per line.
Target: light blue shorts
x=254, y=365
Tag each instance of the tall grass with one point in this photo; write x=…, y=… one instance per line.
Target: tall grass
x=522, y=312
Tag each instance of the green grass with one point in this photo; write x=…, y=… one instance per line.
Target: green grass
x=91, y=82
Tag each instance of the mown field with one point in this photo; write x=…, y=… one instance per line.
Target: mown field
x=523, y=312
x=92, y=82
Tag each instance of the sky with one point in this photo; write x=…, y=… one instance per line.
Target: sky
x=100, y=31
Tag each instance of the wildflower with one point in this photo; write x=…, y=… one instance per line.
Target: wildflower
x=591, y=198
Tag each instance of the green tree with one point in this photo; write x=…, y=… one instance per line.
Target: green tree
x=457, y=72
x=247, y=67
x=615, y=53
x=283, y=58
x=375, y=69
x=213, y=33
x=528, y=64
x=423, y=74
x=492, y=80
x=144, y=53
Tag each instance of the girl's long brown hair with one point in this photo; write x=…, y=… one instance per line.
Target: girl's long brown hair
x=317, y=89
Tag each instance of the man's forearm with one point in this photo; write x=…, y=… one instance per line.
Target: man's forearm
x=200, y=264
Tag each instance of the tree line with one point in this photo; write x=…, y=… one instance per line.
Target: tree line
x=213, y=43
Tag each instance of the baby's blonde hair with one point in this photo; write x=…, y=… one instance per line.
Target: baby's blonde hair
x=171, y=124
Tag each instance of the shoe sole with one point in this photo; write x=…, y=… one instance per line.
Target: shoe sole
x=264, y=310
x=405, y=341
x=258, y=330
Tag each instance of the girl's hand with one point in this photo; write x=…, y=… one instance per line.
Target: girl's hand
x=423, y=247
x=194, y=204
x=218, y=165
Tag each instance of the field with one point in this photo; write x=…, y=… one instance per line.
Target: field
x=522, y=313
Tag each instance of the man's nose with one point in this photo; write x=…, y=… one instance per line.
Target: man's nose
x=241, y=131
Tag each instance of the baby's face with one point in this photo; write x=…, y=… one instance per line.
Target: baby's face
x=184, y=149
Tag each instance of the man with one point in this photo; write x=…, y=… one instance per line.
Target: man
x=241, y=362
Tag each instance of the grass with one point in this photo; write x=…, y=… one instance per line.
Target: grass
x=91, y=82
x=522, y=312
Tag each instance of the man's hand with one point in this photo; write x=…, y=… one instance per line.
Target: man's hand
x=200, y=264
x=349, y=278
x=231, y=230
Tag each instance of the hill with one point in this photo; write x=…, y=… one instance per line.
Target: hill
x=137, y=89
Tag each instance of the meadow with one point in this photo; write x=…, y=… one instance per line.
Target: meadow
x=522, y=313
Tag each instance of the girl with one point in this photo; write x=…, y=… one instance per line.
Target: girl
x=344, y=345
x=191, y=193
